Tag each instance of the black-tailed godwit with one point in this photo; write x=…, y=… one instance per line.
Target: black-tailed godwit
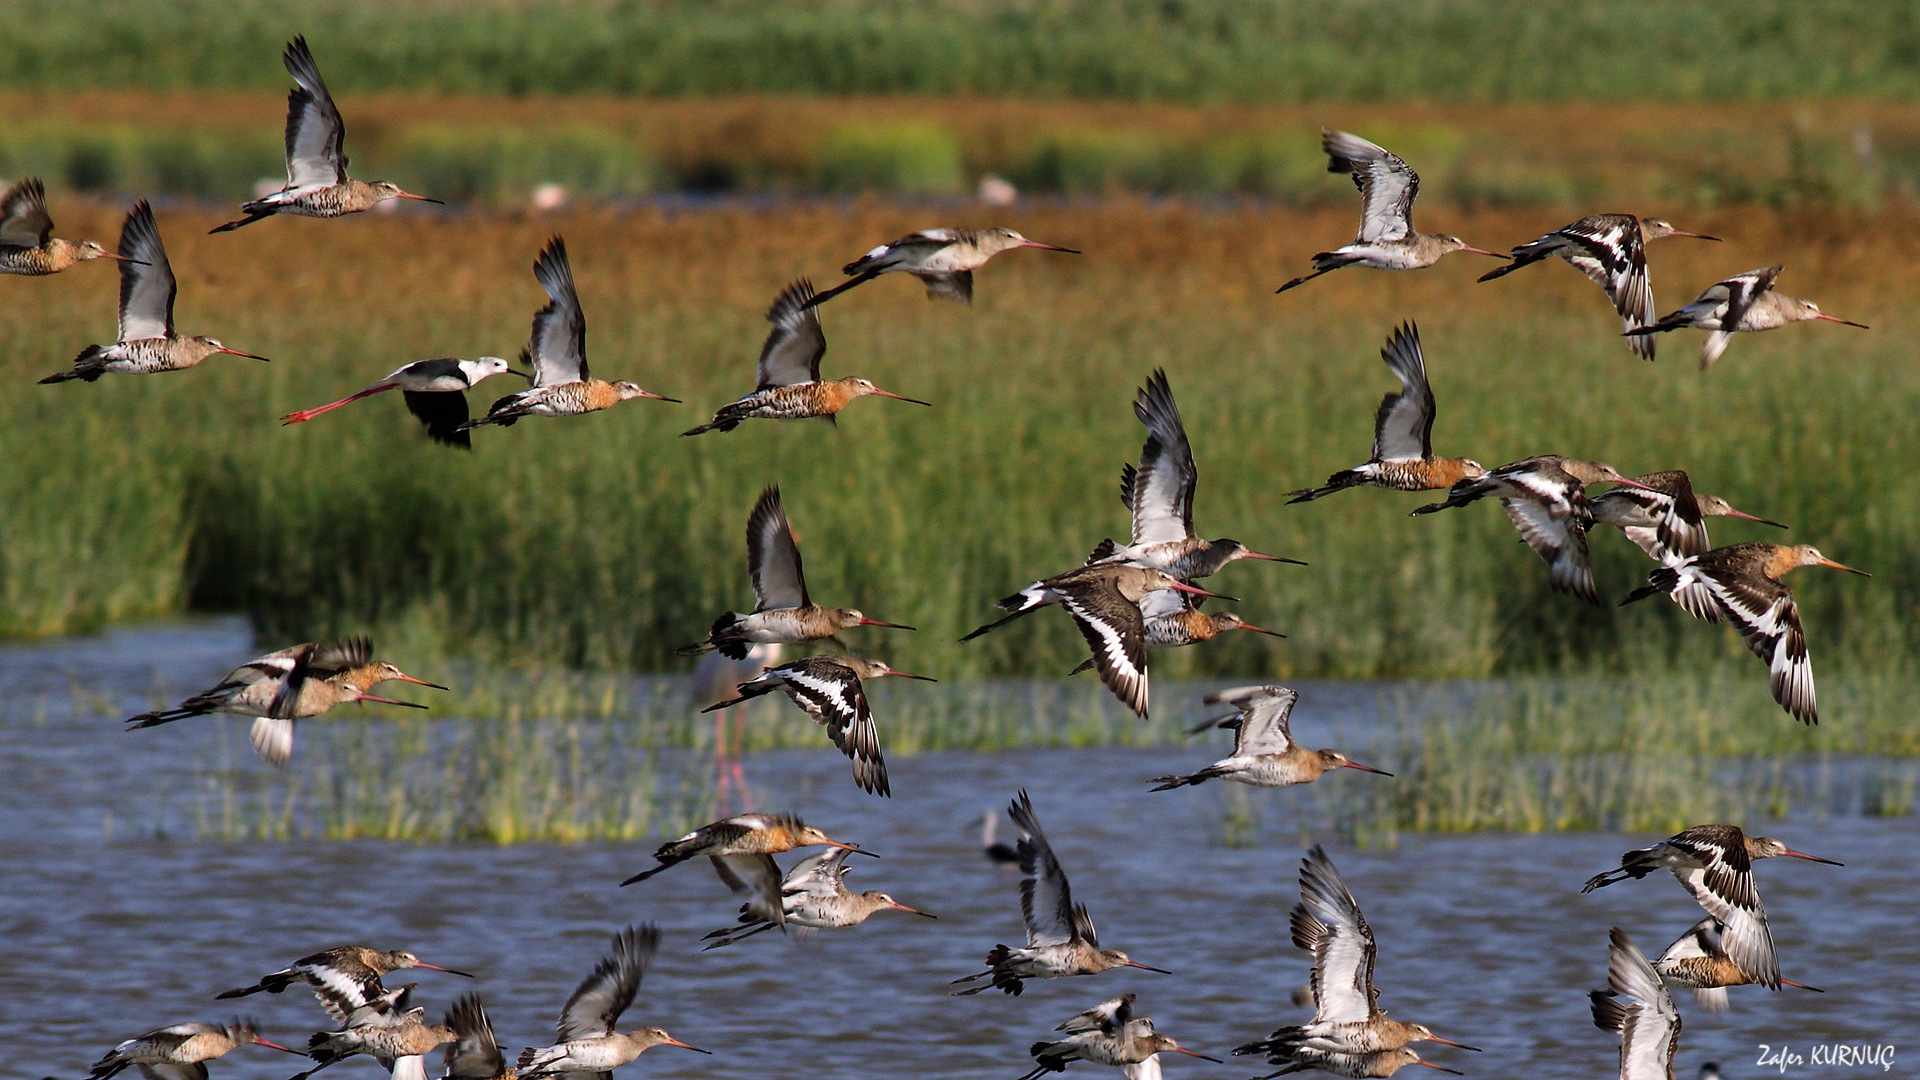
x=1402, y=457
x=1546, y=499
x=147, y=343
x=782, y=612
x=27, y=243
x=1387, y=240
x=788, y=385
x=317, y=182
x=1742, y=304
x=180, y=1052
x=1611, y=250
x=586, y=1039
x=435, y=392
x=1714, y=863
x=741, y=834
x=391, y=1030
x=813, y=896
x=1744, y=582
x=943, y=259
x=1061, y=940
x=1107, y=1034
x=557, y=350
x=1264, y=753
x=1698, y=960
x=1666, y=518
x=1636, y=1004
x=1174, y=620
x=829, y=689
x=344, y=978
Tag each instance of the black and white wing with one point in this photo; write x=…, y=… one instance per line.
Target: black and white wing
x=1636, y=1004
x=557, y=348
x=773, y=559
x=474, y=1054
x=1767, y=617
x=596, y=1005
x=1328, y=923
x=1741, y=291
x=1723, y=886
x=1556, y=532
x=1403, y=428
x=1116, y=633
x=794, y=347
x=817, y=876
x=757, y=878
x=1263, y=722
x=147, y=286
x=1109, y=1016
x=1387, y=185
x=315, y=133
x=832, y=694
x=1702, y=941
x=1611, y=251
x=1162, y=486
x=24, y=221
x=1046, y=900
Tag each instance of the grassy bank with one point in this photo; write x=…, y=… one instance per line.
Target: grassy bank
x=1190, y=50
x=1805, y=153
x=603, y=542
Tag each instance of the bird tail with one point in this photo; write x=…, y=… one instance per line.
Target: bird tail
x=1623, y=872
x=1664, y=580
x=1339, y=481
x=162, y=716
x=272, y=984
x=1521, y=257
x=1460, y=494
x=253, y=214
x=861, y=278
x=85, y=366
x=1168, y=783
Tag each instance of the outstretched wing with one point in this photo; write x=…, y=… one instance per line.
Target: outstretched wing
x=1611, y=251
x=23, y=215
x=557, y=348
x=315, y=132
x=474, y=1054
x=1264, y=722
x=1328, y=923
x=1116, y=633
x=1046, y=900
x=794, y=347
x=1403, y=428
x=1636, y=1004
x=757, y=878
x=1162, y=487
x=832, y=694
x=596, y=1005
x=773, y=559
x=1387, y=185
x=147, y=287
x=1767, y=617
x=1742, y=291
x=1109, y=1016
x=1559, y=537
x=1723, y=886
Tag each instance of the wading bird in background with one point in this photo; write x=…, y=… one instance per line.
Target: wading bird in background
x=1107, y=1034
x=348, y=974
x=1636, y=1004
x=587, y=1040
x=829, y=689
x=1546, y=499
x=1264, y=753
x=180, y=1052
x=1104, y=600
x=1698, y=960
x=27, y=243
x=782, y=611
x=147, y=342
x=294, y=683
x=1714, y=863
x=1160, y=495
x=435, y=392
x=1666, y=518
x=557, y=349
x=1744, y=582
x=741, y=834
x=789, y=386
x=1611, y=250
x=1402, y=433
x=317, y=182
x=813, y=896
x=1742, y=304
x=943, y=259
x=1349, y=1034
x=716, y=677
x=1387, y=240
x=1061, y=940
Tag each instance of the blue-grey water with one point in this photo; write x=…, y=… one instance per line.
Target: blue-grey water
x=110, y=929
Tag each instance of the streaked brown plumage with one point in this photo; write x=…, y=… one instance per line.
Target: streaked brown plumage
x=943, y=259
x=27, y=244
x=1698, y=960
x=741, y=834
x=180, y=1052
x=344, y=978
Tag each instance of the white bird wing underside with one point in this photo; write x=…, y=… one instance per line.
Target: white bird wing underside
x=315, y=132
x=1769, y=620
x=1046, y=900
x=757, y=878
x=1387, y=186
x=793, y=348
x=1148, y=1069
x=1116, y=633
x=1328, y=923
x=773, y=559
x=817, y=877
x=557, y=348
x=1638, y=1006
x=146, y=292
x=1609, y=249
x=1264, y=724
x=1161, y=603
x=23, y=215
x=1725, y=891
x=833, y=695
x=411, y=1067
x=1163, y=485
x=1741, y=292
x=1108, y=1016
x=1403, y=428
x=272, y=739
x=1555, y=534
x=603, y=995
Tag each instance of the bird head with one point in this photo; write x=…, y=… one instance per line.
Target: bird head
x=628, y=390
x=1811, y=310
x=864, y=387
x=1766, y=847
x=1454, y=243
x=372, y=675
x=1115, y=958
x=383, y=190
x=1334, y=759
x=207, y=346
x=1715, y=506
x=997, y=240
x=880, y=900
x=1422, y=1031
x=849, y=618
x=1808, y=555
x=653, y=1036
x=1655, y=228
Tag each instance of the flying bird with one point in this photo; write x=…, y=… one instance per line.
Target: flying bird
x=1666, y=518
x=180, y=1052
x=1174, y=620
x=27, y=243
x=587, y=1041
x=789, y=386
x=782, y=612
x=1107, y=1034
x=1744, y=583
x=474, y=1054
x=344, y=978
x=1387, y=240
x=317, y=182
x=741, y=834
x=1611, y=250
x=1402, y=433
x=435, y=393
x=390, y=1030
x=1636, y=1004
x=1698, y=960
x=147, y=342
x=813, y=896
x=557, y=349
x=943, y=259
x=1264, y=753
x=829, y=689
x=1743, y=303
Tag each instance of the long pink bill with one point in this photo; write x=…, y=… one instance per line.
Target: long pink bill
x=1144, y=967
x=237, y=352
x=911, y=675
x=1862, y=573
x=1843, y=322
x=1197, y=591
x=1802, y=854
x=1450, y=1042
x=1744, y=516
x=896, y=906
x=389, y=701
x=1245, y=554
x=1261, y=630
x=1803, y=986
x=1694, y=235
x=660, y=397
x=142, y=262
x=1484, y=251
x=448, y=970
x=422, y=198
x=1382, y=772
x=1442, y=1068
x=304, y=415
x=889, y=625
x=402, y=677
x=1050, y=247
x=854, y=848
x=271, y=1045
x=1195, y=1053
x=900, y=397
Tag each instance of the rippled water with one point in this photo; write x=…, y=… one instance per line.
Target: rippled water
x=110, y=931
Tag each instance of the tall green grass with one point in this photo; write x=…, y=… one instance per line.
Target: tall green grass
x=1137, y=50
x=604, y=542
